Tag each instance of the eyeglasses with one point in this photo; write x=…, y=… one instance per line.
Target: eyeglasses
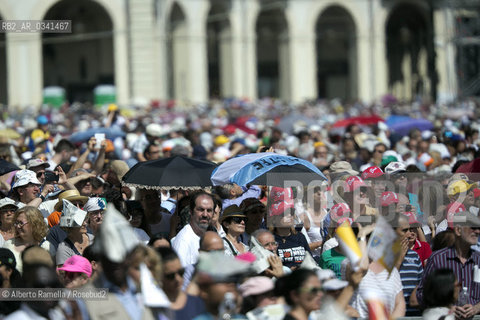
x=311, y=290
x=20, y=224
x=273, y=244
x=239, y=220
x=171, y=276
x=96, y=213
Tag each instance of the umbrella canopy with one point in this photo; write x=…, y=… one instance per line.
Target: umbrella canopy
x=170, y=173
x=9, y=133
x=110, y=133
x=6, y=167
x=294, y=120
x=362, y=120
x=266, y=168
x=401, y=125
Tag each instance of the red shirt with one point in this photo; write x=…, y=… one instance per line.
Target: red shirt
x=423, y=249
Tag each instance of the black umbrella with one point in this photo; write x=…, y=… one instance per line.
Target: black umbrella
x=6, y=167
x=168, y=173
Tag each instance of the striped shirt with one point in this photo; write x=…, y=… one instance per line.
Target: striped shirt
x=411, y=272
x=447, y=258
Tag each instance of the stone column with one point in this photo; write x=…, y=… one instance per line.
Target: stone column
x=444, y=32
x=196, y=74
x=24, y=69
x=302, y=79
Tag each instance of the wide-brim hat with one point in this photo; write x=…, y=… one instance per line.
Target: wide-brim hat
x=70, y=195
x=231, y=211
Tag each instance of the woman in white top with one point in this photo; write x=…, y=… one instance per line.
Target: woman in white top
x=30, y=230
x=233, y=222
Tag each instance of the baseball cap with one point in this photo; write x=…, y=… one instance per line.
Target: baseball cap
x=388, y=198
x=412, y=219
x=77, y=264
x=278, y=194
x=459, y=186
x=255, y=286
x=32, y=163
x=24, y=177
x=278, y=208
x=395, y=167
x=7, y=258
x=353, y=183
x=94, y=204
x=340, y=210
x=372, y=173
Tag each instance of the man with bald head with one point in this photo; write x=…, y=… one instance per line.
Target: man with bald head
x=210, y=241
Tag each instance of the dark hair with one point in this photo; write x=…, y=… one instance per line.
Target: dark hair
x=156, y=237
x=439, y=288
x=167, y=254
x=196, y=195
x=64, y=145
x=292, y=282
x=90, y=254
x=147, y=149
x=443, y=239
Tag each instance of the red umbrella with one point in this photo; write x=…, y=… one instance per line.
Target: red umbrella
x=362, y=120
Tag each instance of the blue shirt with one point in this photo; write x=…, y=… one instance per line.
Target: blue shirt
x=130, y=300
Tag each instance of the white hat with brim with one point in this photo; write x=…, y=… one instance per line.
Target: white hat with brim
x=334, y=284
x=9, y=202
x=24, y=177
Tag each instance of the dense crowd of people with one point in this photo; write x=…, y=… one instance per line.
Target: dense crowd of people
x=242, y=251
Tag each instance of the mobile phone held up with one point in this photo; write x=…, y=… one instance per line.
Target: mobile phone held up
x=51, y=177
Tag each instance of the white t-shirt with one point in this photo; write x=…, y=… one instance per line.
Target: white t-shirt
x=186, y=245
x=386, y=286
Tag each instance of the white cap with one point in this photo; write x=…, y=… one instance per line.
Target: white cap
x=154, y=130
x=24, y=177
x=395, y=167
x=94, y=204
x=9, y=202
x=334, y=284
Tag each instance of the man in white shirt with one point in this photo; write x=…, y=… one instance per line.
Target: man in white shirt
x=187, y=241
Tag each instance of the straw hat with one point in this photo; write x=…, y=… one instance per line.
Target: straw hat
x=70, y=195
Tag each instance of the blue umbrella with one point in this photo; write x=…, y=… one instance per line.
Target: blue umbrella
x=110, y=133
x=266, y=168
x=402, y=125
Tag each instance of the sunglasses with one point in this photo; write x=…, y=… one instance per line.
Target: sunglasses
x=239, y=220
x=40, y=173
x=311, y=290
x=409, y=229
x=171, y=276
